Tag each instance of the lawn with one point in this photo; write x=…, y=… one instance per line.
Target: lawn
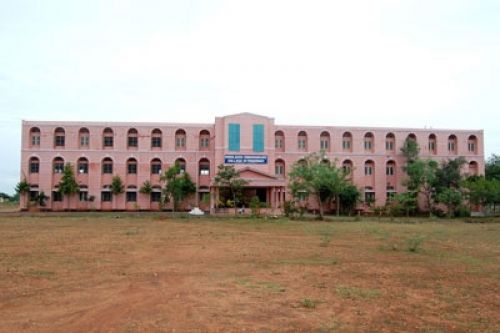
x=147, y=273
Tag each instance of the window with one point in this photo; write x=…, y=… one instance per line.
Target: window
x=108, y=137
x=156, y=140
x=234, y=137
x=84, y=137
x=347, y=167
x=432, y=144
x=59, y=137
x=368, y=142
x=472, y=144
x=35, y=137
x=452, y=144
x=473, y=168
x=131, y=196
x=279, y=141
x=390, y=168
x=58, y=165
x=33, y=195
x=204, y=166
x=258, y=138
x=155, y=196
x=57, y=196
x=106, y=196
x=369, y=195
x=302, y=141
x=83, y=195
x=279, y=168
x=390, y=140
x=132, y=166
x=390, y=193
x=107, y=165
x=204, y=140
x=155, y=166
x=324, y=141
x=180, y=139
x=182, y=164
x=132, y=138
x=83, y=166
x=34, y=165
x=369, y=168
x=347, y=141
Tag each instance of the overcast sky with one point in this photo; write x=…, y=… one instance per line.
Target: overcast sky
x=394, y=63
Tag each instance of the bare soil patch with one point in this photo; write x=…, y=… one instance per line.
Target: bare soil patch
x=148, y=274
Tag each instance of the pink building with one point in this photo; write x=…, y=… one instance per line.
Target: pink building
x=261, y=149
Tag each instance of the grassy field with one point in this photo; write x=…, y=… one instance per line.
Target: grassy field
x=149, y=273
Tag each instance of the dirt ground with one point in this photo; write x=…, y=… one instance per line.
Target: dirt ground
x=152, y=274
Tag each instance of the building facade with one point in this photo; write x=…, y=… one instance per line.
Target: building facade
x=262, y=150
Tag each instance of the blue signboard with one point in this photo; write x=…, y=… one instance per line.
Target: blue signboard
x=245, y=159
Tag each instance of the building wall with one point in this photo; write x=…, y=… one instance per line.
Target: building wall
x=192, y=153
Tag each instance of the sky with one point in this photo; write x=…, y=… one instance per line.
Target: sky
x=408, y=63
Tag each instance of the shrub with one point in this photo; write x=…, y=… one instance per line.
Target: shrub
x=462, y=211
x=413, y=244
x=308, y=303
x=255, y=206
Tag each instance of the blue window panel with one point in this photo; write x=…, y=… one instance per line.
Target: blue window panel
x=234, y=137
x=258, y=138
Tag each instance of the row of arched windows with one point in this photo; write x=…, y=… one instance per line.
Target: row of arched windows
x=107, y=165
x=369, y=142
x=108, y=137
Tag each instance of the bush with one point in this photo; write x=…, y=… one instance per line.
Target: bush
x=255, y=206
x=289, y=209
x=414, y=243
x=462, y=211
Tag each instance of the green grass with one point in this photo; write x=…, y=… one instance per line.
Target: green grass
x=356, y=293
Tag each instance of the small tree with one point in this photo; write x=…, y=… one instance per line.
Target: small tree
x=41, y=199
x=410, y=150
x=146, y=188
x=228, y=177
x=22, y=189
x=318, y=177
x=349, y=197
x=68, y=185
x=116, y=187
x=178, y=185
x=452, y=198
x=406, y=201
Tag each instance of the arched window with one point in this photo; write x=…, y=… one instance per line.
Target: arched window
x=155, y=166
x=35, y=137
x=131, y=166
x=107, y=165
x=180, y=139
x=131, y=193
x=369, y=142
x=369, y=168
x=279, y=141
x=324, y=140
x=132, y=138
x=452, y=144
x=34, y=165
x=82, y=165
x=390, y=168
x=58, y=165
x=181, y=163
x=390, y=142
x=84, y=137
x=411, y=136
x=432, y=144
x=472, y=144
x=204, y=167
x=107, y=138
x=204, y=140
x=473, y=168
x=347, y=166
x=59, y=137
x=347, y=141
x=156, y=141
x=279, y=168
x=302, y=141
x=390, y=193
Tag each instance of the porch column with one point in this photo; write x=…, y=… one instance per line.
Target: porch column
x=273, y=198
x=212, y=200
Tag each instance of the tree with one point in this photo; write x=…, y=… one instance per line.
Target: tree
x=349, y=197
x=410, y=150
x=422, y=179
x=406, y=201
x=449, y=175
x=451, y=197
x=116, y=187
x=68, y=185
x=323, y=180
x=146, y=188
x=492, y=168
x=178, y=185
x=228, y=177
x=22, y=188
